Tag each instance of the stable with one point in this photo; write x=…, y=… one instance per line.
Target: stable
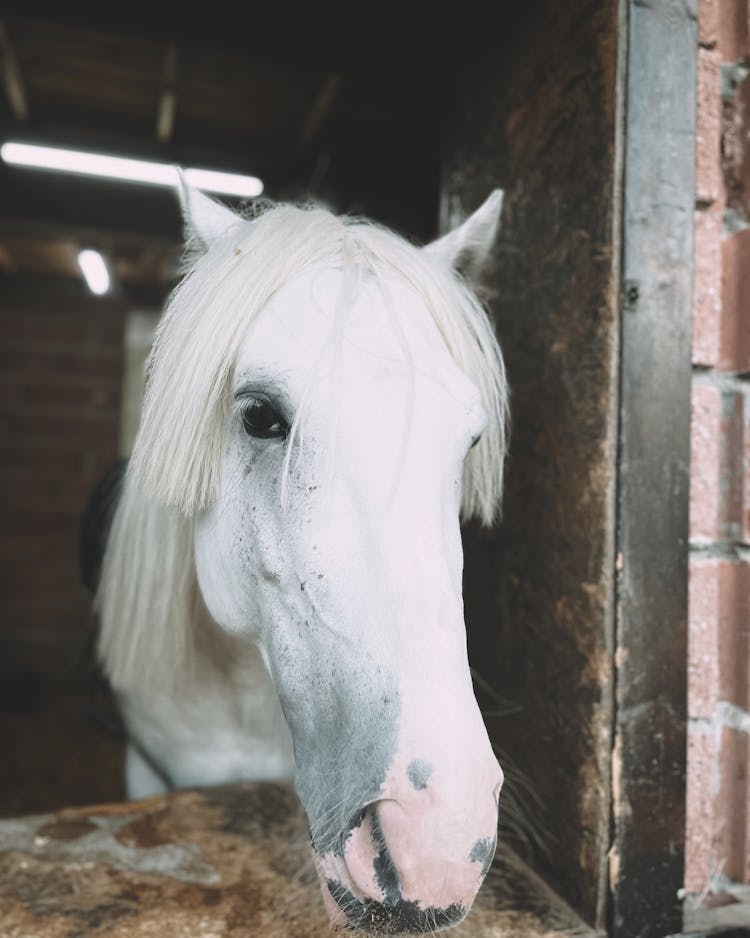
x=576, y=602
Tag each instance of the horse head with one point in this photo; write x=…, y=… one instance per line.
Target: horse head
x=326, y=398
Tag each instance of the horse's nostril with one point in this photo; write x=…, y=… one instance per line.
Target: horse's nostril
x=355, y=821
x=386, y=873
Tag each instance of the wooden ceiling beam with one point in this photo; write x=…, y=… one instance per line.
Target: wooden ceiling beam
x=167, y=108
x=11, y=76
x=320, y=110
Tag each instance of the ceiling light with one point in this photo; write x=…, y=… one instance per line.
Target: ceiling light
x=122, y=168
x=94, y=270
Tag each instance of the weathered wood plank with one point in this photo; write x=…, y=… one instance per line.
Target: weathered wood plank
x=538, y=117
x=649, y=770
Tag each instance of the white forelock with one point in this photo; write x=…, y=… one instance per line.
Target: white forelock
x=178, y=450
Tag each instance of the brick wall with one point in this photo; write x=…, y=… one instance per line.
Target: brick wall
x=60, y=378
x=718, y=835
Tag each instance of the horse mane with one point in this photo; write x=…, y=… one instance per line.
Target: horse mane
x=148, y=598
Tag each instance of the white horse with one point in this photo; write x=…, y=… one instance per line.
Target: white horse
x=281, y=590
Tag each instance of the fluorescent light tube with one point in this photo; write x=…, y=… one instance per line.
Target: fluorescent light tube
x=94, y=270
x=122, y=168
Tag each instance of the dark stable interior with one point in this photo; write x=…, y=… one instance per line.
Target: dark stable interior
x=415, y=121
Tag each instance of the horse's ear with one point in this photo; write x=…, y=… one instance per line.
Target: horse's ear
x=467, y=248
x=205, y=220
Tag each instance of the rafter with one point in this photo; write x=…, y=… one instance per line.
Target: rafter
x=11, y=76
x=167, y=107
x=320, y=110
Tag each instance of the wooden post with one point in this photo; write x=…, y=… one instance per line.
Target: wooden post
x=537, y=114
x=647, y=855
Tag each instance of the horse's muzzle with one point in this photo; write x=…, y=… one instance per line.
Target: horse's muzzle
x=368, y=887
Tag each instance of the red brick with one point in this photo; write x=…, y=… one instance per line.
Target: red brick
x=734, y=455
x=705, y=496
x=75, y=427
x=707, y=288
x=69, y=367
x=735, y=149
x=60, y=495
x=718, y=804
x=701, y=791
x=733, y=633
x=708, y=22
x=59, y=393
x=733, y=37
x=703, y=661
x=88, y=458
x=69, y=330
x=735, y=301
x=40, y=614
x=21, y=355
x=709, y=182
x=720, y=448
x=731, y=803
x=719, y=640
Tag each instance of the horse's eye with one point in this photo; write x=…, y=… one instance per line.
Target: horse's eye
x=262, y=420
